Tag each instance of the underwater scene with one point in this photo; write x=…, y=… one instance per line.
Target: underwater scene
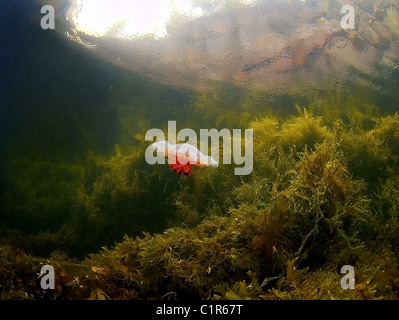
x=199, y=150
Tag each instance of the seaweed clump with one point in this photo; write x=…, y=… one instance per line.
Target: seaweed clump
x=312, y=205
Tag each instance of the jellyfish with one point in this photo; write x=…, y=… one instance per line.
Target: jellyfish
x=184, y=155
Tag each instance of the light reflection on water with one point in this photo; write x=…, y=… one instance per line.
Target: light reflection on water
x=271, y=45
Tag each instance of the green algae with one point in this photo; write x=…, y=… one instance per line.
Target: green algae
x=313, y=204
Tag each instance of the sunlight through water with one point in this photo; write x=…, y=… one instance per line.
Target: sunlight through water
x=133, y=18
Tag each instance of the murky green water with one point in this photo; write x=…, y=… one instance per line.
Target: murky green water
x=323, y=192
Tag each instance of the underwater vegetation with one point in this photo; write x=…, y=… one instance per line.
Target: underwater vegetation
x=322, y=195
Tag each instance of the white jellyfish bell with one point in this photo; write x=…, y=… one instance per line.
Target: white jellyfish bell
x=182, y=156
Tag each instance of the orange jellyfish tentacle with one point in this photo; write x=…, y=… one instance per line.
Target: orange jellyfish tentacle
x=184, y=169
